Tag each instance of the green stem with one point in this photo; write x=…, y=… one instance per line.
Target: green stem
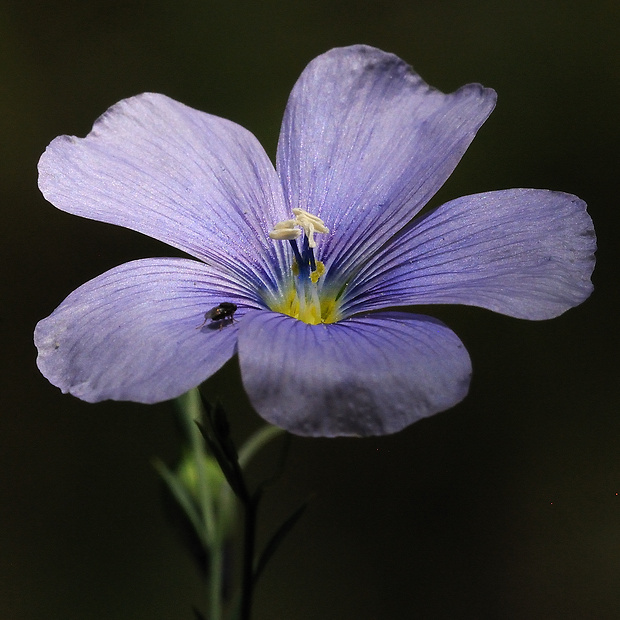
x=192, y=413
x=216, y=581
x=250, y=505
x=191, y=407
x=215, y=508
x=249, y=540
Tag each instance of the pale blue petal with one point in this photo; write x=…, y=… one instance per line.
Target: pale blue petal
x=366, y=142
x=134, y=332
x=370, y=375
x=195, y=181
x=523, y=252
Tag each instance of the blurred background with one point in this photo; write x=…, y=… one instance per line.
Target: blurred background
x=506, y=507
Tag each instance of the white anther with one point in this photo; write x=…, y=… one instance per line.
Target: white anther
x=283, y=231
x=309, y=223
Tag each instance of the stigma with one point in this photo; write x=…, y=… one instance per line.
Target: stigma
x=303, y=296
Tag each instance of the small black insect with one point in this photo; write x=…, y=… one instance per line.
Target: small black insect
x=219, y=314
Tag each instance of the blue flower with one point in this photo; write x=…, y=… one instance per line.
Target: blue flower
x=314, y=254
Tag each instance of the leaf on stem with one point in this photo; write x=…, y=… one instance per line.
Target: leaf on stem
x=182, y=497
x=276, y=538
x=216, y=434
x=198, y=615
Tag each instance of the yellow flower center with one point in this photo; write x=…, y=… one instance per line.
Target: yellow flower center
x=302, y=296
x=303, y=301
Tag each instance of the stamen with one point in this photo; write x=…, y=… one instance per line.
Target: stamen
x=318, y=272
x=309, y=254
x=311, y=257
x=305, y=300
x=285, y=231
x=295, y=250
x=310, y=224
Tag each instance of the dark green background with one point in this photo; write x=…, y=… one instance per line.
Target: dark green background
x=506, y=506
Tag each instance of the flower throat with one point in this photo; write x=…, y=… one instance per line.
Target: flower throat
x=304, y=299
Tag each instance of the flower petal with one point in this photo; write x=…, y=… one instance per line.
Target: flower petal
x=195, y=181
x=133, y=333
x=364, y=376
x=523, y=252
x=365, y=143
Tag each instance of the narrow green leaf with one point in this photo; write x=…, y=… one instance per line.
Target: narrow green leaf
x=259, y=439
x=230, y=469
x=277, y=537
x=179, y=492
x=218, y=421
x=198, y=615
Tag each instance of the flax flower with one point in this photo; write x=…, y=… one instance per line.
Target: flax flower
x=315, y=254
